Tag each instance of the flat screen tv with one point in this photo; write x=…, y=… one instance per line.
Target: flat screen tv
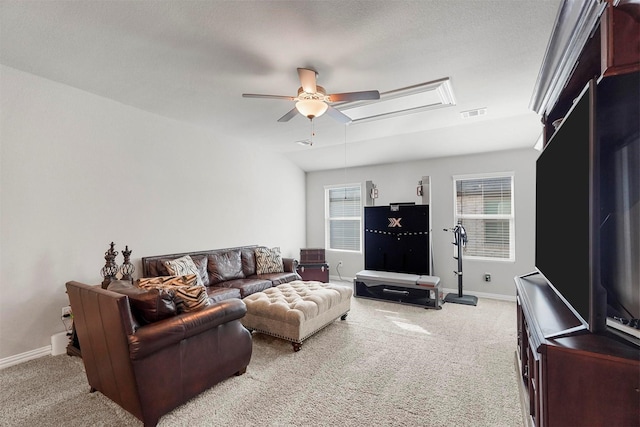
x=588, y=208
x=567, y=236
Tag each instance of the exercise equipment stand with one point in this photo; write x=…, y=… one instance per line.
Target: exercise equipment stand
x=460, y=236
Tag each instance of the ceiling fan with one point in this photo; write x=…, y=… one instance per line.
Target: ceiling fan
x=312, y=100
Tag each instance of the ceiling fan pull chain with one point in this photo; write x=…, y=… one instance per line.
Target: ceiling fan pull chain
x=313, y=132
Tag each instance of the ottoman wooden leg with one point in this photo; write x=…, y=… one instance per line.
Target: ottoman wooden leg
x=296, y=346
x=344, y=316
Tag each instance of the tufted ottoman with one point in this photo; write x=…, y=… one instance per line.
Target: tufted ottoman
x=296, y=310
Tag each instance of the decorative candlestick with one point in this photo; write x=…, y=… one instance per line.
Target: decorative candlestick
x=127, y=269
x=110, y=268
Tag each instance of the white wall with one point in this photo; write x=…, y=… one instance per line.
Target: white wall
x=398, y=182
x=79, y=171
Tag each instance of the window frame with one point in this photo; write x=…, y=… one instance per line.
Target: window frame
x=510, y=217
x=328, y=218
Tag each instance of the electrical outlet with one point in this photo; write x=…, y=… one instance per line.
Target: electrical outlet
x=66, y=311
x=487, y=277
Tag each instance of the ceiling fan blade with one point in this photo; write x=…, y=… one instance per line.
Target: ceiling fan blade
x=256, y=95
x=307, y=79
x=354, y=96
x=338, y=115
x=291, y=114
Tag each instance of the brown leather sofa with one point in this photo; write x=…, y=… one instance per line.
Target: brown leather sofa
x=151, y=368
x=227, y=273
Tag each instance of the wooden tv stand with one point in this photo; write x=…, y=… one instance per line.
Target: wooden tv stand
x=583, y=379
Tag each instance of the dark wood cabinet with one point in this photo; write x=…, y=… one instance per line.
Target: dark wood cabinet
x=583, y=379
x=592, y=39
x=317, y=272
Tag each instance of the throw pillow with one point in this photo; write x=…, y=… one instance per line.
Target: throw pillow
x=148, y=305
x=183, y=266
x=268, y=260
x=187, y=280
x=201, y=265
x=191, y=298
x=188, y=295
x=158, y=267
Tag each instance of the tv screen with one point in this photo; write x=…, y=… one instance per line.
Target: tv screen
x=563, y=210
x=618, y=127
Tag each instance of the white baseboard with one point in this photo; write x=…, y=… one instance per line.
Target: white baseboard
x=339, y=280
x=23, y=357
x=511, y=298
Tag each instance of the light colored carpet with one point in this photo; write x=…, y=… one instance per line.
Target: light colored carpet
x=387, y=364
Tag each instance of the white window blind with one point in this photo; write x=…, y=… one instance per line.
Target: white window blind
x=484, y=207
x=343, y=209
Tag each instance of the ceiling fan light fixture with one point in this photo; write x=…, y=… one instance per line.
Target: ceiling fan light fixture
x=312, y=100
x=311, y=108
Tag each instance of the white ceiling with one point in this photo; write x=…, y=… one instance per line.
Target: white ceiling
x=192, y=60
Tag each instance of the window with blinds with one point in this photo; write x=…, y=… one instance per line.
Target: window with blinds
x=343, y=215
x=484, y=207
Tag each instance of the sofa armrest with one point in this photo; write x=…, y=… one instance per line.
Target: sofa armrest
x=155, y=336
x=290, y=265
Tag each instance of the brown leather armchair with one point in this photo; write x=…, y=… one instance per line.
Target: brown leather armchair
x=151, y=369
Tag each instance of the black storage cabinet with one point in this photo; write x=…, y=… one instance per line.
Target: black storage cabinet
x=396, y=239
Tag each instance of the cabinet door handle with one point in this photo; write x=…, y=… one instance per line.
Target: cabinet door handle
x=393, y=291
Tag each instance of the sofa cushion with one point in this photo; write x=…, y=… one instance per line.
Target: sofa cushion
x=183, y=266
x=223, y=266
x=220, y=294
x=248, y=286
x=156, y=268
x=279, y=278
x=148, y=305
x=188, y=295
x=268, y=260
x=248, y=261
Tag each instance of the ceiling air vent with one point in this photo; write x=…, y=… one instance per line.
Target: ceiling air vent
x=474, y=113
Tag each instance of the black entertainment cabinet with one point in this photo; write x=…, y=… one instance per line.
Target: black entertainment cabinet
x=396, y=238
x=572, y=373
x=397, y=256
